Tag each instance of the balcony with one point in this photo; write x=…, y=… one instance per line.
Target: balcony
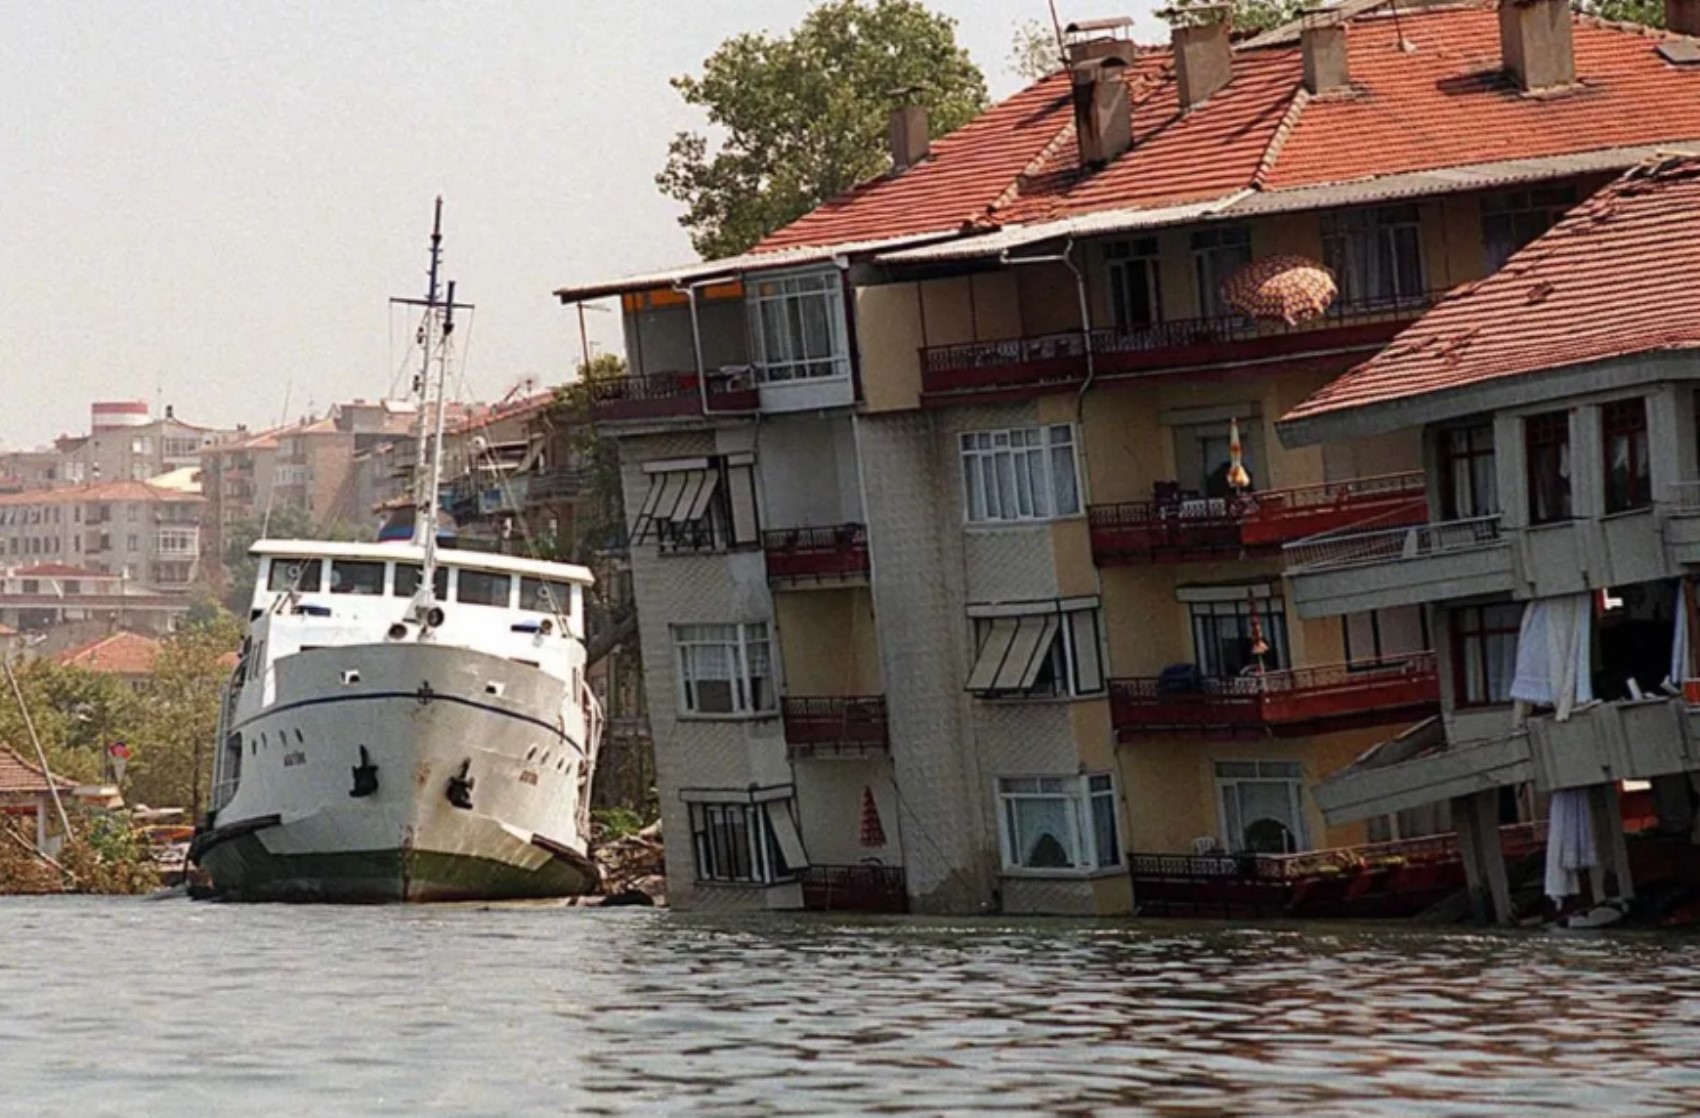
x=1184, y=528
x=1051, y=361
x=1341, y=573
x=466, y=499
x=1277, y=704
x=635, y=399
x=829, y=727
x=821, y=555
x=556, y=485
x=865, y=888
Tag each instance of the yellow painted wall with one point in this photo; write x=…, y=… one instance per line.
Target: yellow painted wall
x=948, y=310
x=997, y=305
x=888, y=338
x=1050, y=299
x=828, y=642
x=1170, y=786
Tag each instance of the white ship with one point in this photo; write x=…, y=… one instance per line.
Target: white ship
x=407, y=722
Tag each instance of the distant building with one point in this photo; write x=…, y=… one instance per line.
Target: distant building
x=144, y=533
x=129, y=656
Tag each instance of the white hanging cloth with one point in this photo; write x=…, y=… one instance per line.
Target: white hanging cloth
x=1570, y=842
x=1679, y=640
x=1553, y=653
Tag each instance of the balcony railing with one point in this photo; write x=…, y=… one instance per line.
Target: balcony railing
x=868, y=888
x=823, y=726
x=1148, y=531
x=1685, y=498
x=1275, y=702
x=820, y=554
x=556, y=485
x=668, y=396
x=1331, y=552
x=1054, y=359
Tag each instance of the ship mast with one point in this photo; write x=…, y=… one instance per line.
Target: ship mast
x=430, y=390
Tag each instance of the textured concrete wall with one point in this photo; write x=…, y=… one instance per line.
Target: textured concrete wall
x=829, y=810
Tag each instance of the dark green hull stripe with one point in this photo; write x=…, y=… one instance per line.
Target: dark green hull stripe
x=242, y=869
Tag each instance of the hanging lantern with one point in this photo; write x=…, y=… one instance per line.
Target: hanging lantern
x=872, y=831
x=1238, y=478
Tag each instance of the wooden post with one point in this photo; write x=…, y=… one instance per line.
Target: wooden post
x=1486, y=814
x=1469, y=849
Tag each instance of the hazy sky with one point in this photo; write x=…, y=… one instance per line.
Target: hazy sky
x=208, y=204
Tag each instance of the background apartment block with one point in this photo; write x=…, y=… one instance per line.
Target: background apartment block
x=945, y=600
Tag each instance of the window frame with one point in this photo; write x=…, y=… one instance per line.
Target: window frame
x=1617, y=423
x=1273, y=622
x=781, y=296
x=1123, y=258
x=748, y=698
x=1030, y=454
x=1064, y=672
x=761, y=858
x=1509, y=219
x=1210, y=249
x=1468, y=458
x=1082, y=795
x=1547, y=445
x=1378, y=240
x=1290, y=773
x=1479, y=630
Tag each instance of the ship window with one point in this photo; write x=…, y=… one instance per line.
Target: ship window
x=356, y=577
x=483, y=588
x=407, y=576
x=545, y=596
x=293, y=574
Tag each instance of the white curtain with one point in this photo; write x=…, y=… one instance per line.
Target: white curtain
x=1679, y=640
x=1570, y=842
x=1553, y=653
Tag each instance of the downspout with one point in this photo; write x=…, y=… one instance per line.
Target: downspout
x=1066, y=259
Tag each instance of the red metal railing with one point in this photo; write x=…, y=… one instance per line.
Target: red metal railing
x=817, y=726
x=1274, y=701
x=667, y=396
x=1051, y=359
x=1146, y=531
x=866, y=888
x=834, y=553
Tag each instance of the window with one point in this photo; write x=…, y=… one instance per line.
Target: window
x=176, y=541
x=1217, y=254
x=1135, y=298
x=1380, y=636
x=1484, y=652
x=1226, y=632
x=699, y=505
x=408, y=576
x=745, y=841
x=349, y=576
x=1262, y=806
x=1376, y=254
x=483, y=588
x=1040, y=655
x=1202, y=461
x=1547, y=441
x=180, y=447
x=293, y=574
x=132, y=542
x=32, y=586
x=1467, y=471
x=1058, y=822
x=1025, y=473
x=132, y=513
x=724, y=669
x=545, y=596
x=797, y=327
x=1623, y=431
x=1513, y=219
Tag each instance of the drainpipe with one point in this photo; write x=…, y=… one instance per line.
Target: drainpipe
x=1066, y=259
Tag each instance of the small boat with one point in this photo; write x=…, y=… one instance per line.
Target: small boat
x=408, y=721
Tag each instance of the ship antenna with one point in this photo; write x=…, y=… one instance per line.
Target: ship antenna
x=428, y=577
x=425, y=500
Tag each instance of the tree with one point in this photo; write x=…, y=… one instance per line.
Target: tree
x=286, y=522
x=173, y=732
x=1650, y=13
x=1033, y=50
x=805, y=116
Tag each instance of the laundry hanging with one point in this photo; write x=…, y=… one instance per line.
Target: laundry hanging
x=1554, y=654
x=1570, y=842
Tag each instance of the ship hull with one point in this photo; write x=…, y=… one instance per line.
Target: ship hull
x=471, y=787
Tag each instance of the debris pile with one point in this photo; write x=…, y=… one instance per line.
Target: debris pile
x=632, y=867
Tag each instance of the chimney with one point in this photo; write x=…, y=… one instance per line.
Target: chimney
x=1103, y=118
x=1682, y=16
x=1324, y=47
x=1204, y=59
x=910, y=140
x=1534, y=41
x=1086, y=39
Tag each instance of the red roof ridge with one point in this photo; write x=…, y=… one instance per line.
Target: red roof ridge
x=1278, y=139
x=18, y=775
x=1065, y=134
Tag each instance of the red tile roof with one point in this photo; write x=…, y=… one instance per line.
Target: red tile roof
x=19, y=776
x=1442, y=103
x=122, y=653
x=1615, y=277
x=58, y=570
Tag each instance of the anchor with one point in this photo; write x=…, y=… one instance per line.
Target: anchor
x=460, y=786
x=425, y=694
x=365, y=776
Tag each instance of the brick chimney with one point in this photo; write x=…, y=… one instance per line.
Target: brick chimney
x=910, y=140
x=1534, y=41
x=1086, y=39
x=1103, y=117
x=1204, y=59
x=1324, y=46
x=1682, y=16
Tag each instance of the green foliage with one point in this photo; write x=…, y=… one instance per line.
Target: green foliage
x=616, y=823
x=287, y=522
x=176, y=718
x=803, y=117
x=1251, y=16
x=602, y=521
x=1033, y=50
x=1650, y=13
x=76, y=714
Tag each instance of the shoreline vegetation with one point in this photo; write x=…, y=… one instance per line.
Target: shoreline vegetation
x=103, y=856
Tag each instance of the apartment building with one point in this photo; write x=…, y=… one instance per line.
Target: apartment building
x=948, y=597
x=1557, y=406
x=126, y=442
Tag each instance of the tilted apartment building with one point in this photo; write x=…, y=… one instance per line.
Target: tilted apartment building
x=944, y=600
x=1557, y=402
